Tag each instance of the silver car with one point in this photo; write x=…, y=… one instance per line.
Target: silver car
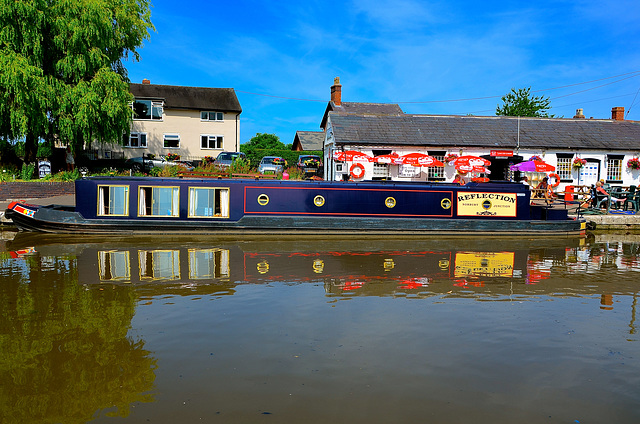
x=146, y=164
x=225, y=159
x=271, y=165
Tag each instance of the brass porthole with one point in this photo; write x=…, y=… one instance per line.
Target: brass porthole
x=445, y=203
x=318, y=201
x=263, y=200
x=390, y=202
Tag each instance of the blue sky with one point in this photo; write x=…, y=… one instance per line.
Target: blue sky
x=431, y=57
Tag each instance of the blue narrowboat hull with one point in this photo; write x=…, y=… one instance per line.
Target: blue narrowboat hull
x=312, y=208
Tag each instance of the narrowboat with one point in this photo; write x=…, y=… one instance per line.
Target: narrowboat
x=256, y=207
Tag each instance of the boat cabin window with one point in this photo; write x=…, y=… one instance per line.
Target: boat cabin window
x=207, y=202
x=113, y=200
x=159, y=201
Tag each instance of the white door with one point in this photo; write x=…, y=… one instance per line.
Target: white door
x=589, y=173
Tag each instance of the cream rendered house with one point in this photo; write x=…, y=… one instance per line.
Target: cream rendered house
x=192, y=122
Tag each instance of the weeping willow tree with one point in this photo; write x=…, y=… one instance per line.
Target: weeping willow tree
x=61, y=68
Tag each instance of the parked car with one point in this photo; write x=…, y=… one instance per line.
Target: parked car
x=271, y=165
x=147, y=163
x=309, y=164
x=225, y=159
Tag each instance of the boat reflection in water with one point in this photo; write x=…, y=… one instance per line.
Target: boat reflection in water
x=392, y=267
x=121, y=327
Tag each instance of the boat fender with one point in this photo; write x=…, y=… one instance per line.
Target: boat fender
x=357, y=170
x=557, y=179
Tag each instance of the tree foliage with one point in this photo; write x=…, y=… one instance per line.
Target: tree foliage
x=520, y=102
x=61, y=70
x=259, y=144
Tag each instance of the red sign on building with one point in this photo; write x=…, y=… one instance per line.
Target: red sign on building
x=502, y=153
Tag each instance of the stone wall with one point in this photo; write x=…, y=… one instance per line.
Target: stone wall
x=35, y=189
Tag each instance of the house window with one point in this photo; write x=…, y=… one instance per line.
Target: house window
x=171, y=141
x=380, y=171
x=136, y=140
x=208, y=202
x=147, y=110
x=564, y=167
x=614, y=167
x=436, y=173
x=113, y=200
x=211, y=141
x=159, y=201
x=211, y=116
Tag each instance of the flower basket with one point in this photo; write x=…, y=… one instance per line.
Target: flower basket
x=578, y=163
x=634, y=163
x=536, y=157
x=450, y=157
x=172, y=156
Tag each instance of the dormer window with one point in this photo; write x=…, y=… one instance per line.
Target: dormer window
x=211, y=116
x=147, y=110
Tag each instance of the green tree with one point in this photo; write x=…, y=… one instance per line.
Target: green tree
x=520, y=102
x=61, y=70
x=262, y=145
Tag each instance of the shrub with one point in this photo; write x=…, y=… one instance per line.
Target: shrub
x=26, y=173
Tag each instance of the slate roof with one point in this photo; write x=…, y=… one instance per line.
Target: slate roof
x=485, y=132
x=309, y=140
x=365, y=108
x=180, y=97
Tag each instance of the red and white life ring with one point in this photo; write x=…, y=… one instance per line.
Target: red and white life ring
x=357, y=171
x=557, y=177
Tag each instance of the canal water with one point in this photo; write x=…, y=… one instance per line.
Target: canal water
x=139, y=330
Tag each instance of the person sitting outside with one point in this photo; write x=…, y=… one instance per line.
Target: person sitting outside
x=601, y=193
x=544, y=190
x=458, y=180
x=525, y=181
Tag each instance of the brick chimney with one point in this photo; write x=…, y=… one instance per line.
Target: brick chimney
x=336, y=92
x=579, y=114
x=146, y=81
x=617, y=114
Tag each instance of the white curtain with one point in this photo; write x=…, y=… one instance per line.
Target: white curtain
x=142, y=201
x=175, y=204
x=224, y=202
x=101, y=205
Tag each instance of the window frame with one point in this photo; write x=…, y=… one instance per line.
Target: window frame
x=217, y=138
x=564, y=167
x=127, y=140
x=127, y=194
x=153, y=105
x=433, y=170
x=175, y=208
x=164, y=140
x=208, y=113
x=614, y=168
x=224, y=209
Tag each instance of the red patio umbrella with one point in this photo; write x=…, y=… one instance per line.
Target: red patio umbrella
x=470, y=161
x=473, y=168
x=351, y=156
x=418, y=159
x=386, y=158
